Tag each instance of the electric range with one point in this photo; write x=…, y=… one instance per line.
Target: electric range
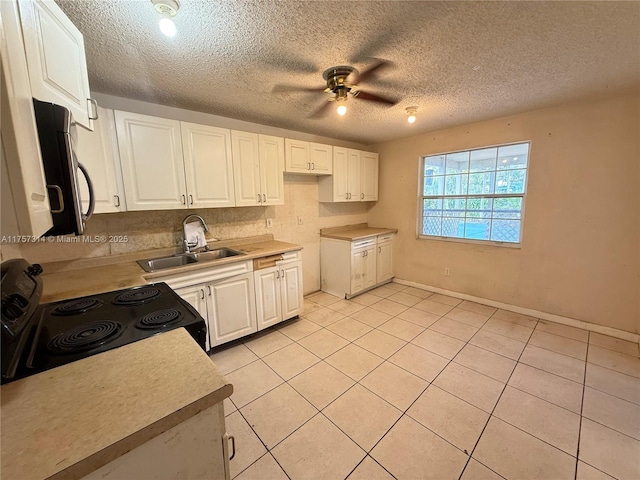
x=37, y=337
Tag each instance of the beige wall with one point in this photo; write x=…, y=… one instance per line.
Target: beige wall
x=580, y=255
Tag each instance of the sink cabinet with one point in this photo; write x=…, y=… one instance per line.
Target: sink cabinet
x=279, y=294
x=348, y=268
x=223, y=295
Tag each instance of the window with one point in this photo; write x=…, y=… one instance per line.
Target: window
x=475, y=195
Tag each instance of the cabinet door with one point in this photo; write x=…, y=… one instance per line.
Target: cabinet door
x=98, y=152
x=369, y=177
x=271, y=169
x=370, y=267
x=296, y=156
x=321, y=158
x=55, y=55
x=246, y=168
x=152, y=162
x=231, y=306
x=208, y=166
x=385, y=262
x=268, y=298
x=357, y=271
x=353, y=182
x=340, y=174
x=24, y=190
x=196, y=296
x=292, y=291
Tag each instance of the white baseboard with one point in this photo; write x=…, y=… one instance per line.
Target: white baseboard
x=612, y=332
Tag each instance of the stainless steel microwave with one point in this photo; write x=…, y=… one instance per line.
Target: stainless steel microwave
x=57, y=136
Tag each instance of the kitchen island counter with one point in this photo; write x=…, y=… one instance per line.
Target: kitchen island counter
x=71, y=420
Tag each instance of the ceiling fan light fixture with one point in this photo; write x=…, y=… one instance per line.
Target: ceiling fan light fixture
x=168, y=9
x=342, y=109
x=411, y=114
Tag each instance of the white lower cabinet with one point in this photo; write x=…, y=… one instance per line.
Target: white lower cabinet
x=194, y=449
x=228, y=296
x=279, y=294
x=231, y=308
x=384, y=270
x=349, y=268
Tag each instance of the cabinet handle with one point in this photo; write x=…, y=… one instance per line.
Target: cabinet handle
x=362, y=196
x=313, y=166
x=282, y=274
x=202, y=292
x=184, y=200
x=379, y=249
x=117, y=199
x=308, y=165
x=259, y=201
x=233, y=447
x=264, y=198
x=209, y=289
x=346, y=195
x=93, y=102
x=277, y=273
x=190, y=199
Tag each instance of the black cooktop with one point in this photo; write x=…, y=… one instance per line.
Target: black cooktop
x=37, y=337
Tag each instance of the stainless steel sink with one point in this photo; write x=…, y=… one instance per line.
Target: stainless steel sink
x=162, y=263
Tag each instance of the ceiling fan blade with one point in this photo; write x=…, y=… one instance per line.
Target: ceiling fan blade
x=322, y=111
x=374, y=98
x=372, y=70
x=281, y=88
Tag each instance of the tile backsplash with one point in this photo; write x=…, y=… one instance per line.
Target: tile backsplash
x=163, y=228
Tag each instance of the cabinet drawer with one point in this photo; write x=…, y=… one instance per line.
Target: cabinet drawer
x=290, y=257
x=387, y=238
x=368, y=242
x=206, y=274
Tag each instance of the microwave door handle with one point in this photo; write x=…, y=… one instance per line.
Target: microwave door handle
x=60, y=198
x=92, y=198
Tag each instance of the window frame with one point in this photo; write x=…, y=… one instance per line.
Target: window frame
x=444, y=238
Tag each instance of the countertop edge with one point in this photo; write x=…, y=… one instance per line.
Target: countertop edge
x=116, y=450
x=344, y=235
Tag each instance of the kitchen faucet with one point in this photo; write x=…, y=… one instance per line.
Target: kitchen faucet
x=189, y=245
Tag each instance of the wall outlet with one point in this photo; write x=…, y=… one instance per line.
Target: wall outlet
x=447, y=271
x=269, y=222
x=299, y=220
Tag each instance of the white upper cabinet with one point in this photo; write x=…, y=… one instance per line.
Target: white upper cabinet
x=55, y=55
x=308, y=158
x=354, y=178
x=271, y=153
x=98, y=152
x=369, y=176
x=246, y=168
x=258, y=163
x=321, y=158
x=152, y=163
x=208, y=166
x=22, y=166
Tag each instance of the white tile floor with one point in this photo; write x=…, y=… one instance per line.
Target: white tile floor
x=402, y=383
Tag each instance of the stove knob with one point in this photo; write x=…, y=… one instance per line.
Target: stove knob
x=34, y=270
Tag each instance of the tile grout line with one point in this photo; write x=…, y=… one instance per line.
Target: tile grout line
x=491, y=414
x=584, y=387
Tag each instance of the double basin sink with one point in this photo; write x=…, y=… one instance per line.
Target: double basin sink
x=181, y=259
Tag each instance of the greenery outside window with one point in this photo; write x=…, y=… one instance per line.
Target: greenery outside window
x=476, y=195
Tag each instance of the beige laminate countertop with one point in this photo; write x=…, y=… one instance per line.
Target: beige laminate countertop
x=355, y=232
x=68, y=421
x=77, y=278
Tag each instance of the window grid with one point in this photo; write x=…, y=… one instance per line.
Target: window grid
x=475, y=195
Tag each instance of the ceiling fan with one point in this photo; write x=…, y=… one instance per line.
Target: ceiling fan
x=338, y=84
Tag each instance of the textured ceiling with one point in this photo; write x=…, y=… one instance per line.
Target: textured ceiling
x=459, y=62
